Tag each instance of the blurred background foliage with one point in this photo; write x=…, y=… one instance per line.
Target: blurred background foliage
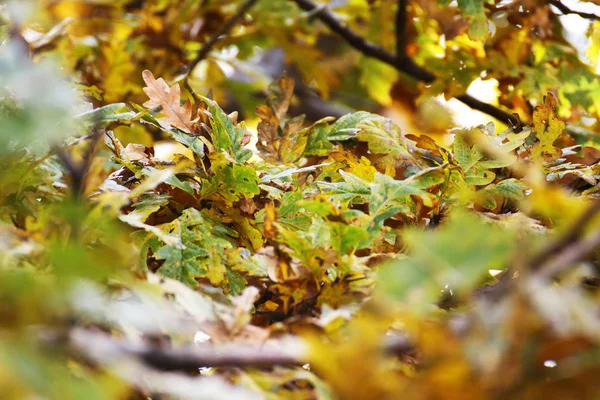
x=293, y=199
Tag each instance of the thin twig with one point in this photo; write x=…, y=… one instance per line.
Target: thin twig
x=401, y=28
x=225, y=28
x=78, y=171
x=402, y=63
x=566, y=10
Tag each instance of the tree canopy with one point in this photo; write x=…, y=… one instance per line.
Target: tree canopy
x=344, y=199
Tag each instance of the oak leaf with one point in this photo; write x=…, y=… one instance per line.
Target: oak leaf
x=169, y=99
x=548, y=128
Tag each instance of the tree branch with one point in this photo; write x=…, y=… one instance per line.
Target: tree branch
x=353, y=39
x=566, y=10
x=226, y=27
x=573, y=234
x=401, y=28
x=486, y=108
x=103, y=348
x=402, y=63
x=571, y=255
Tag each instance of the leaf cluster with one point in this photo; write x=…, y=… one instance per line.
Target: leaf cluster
x=338, y=235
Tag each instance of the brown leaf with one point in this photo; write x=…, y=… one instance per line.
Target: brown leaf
x=169, y=98
x=136, y=153
x=281, y=95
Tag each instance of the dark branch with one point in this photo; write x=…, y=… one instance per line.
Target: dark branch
x=573, y=234
x=572, y=247
x=104, y=348
x=578, y=251
x=566, y=10
x=225, y=28
x=402, y=63
x=193, y=358
x=500, y=115
x=401, y=28
x=353, y=39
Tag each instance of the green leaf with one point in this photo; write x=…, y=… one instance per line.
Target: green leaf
x=510, y=189
x=290, y=213
x=470, y=7
x=225, y=135
x=438, y=259
x=191, y=142
x=251, y=265
x=345, y=237
x=231, y=182
x=202, y=251
x=346, y=127
x=377, y=78
x=286, y=173
x=171, y=180
x=479, y=28
x=479, y=177
x=353, y=188
x=383, y=136
x=103, y=116
x=389, y=196
x=147, y=205
x=318, y=143
x=466, y=155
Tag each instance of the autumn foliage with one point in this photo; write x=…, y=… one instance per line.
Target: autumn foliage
x=299, y=199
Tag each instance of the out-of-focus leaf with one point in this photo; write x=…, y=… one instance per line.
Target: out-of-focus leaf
x=593, y=49
x=378, y=78
x=437, y=259
x=105, y=115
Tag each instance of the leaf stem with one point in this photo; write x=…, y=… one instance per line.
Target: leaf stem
x=208, y=46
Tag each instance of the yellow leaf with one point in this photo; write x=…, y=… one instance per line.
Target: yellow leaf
x=547, y=128
x=216, y=270
x=593, y=50
x=357, y=367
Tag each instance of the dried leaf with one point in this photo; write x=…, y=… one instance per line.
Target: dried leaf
x=169, y=99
